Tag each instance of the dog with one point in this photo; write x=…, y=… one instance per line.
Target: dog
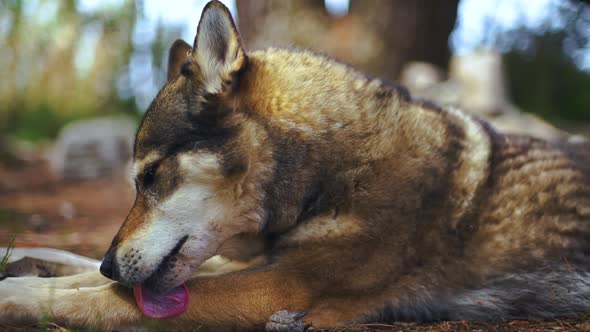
x=350, y=201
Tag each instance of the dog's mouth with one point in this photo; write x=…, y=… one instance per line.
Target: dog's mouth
x=154, y=297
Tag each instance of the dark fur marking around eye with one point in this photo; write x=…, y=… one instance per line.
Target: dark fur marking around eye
x=147, y=178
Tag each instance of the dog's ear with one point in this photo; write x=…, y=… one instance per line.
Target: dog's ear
x=177, y=55
x=218, y=50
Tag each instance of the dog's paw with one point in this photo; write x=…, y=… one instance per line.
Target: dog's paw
x=286, y=321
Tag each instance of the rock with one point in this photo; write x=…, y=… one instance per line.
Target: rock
x=38, y=223
x=94, y=148
x=482, y=80
x=67, y=210
x=418, y=76
x=34, y=267
x=477, y=85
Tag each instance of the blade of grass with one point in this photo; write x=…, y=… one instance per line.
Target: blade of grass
x=4, y=262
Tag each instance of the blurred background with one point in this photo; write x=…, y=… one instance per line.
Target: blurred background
x=77, y=75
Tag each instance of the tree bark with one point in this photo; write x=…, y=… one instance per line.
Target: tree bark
x=377, y=36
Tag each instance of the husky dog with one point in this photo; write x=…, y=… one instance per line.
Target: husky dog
x=357, y=203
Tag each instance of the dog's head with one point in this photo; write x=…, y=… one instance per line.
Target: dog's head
x=197, y=166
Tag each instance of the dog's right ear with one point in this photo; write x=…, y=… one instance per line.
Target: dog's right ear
x=217, y=49
x=178, y=54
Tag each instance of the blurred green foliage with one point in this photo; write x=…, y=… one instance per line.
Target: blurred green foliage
x=543, y=64
x=37, y=122
x=59, y=64
x=545, y=80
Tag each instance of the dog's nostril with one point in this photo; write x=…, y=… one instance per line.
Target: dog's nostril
x=106, y=270
x=106, y=267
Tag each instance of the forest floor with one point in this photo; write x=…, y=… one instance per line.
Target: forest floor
x=40, y=211
x=83, y=217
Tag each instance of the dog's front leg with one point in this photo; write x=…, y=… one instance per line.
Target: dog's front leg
x=105, y=307
x=242, y=300
x=245, y=299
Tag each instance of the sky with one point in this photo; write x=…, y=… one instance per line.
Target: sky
x=471, y=27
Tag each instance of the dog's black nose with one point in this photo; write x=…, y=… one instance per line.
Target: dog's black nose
x=106, y=268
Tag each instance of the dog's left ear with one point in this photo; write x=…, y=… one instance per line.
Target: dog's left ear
x=177, y=55
x=218, y=49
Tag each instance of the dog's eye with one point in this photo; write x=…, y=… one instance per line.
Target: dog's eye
x=148, y=176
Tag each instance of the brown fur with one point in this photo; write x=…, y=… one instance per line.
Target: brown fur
x=365, y=204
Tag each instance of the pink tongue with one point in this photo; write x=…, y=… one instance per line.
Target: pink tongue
x=161, y=305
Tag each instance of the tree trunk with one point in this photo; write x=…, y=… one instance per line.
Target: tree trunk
x=377, y=36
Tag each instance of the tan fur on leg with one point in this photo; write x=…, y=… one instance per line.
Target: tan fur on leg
x=106, y=306
x=243, y=299
x=88, y=279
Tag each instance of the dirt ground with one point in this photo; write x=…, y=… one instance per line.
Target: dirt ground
x=82, y=217
x=40, y=211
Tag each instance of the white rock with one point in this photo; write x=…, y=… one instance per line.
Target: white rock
x=95, y=148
